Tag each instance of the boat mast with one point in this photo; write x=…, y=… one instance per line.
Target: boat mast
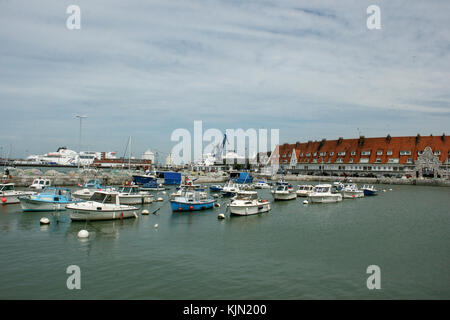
x=129, y=155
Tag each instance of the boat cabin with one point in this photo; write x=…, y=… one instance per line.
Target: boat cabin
x=129, y=189
x=6, y=187
x=40, y=183
x=304, y=187
x=93, y=184
x=105, y=197
x=322, y=188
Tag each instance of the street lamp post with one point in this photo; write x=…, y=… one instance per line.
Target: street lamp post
x=79, y=141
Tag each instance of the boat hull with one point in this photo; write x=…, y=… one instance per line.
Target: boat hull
x=284, y=196
x=136, y=199
x=36, y=205
x=370, y=192
x=301, y=193
x=325, y=199
x=183, y=206
x=94, y=215
x=249, y=210
x=352, y=194
x=13, y=198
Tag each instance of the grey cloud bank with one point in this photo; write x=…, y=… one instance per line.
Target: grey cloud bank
x=144, y=68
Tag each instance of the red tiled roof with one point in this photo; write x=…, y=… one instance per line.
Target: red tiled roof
x=412, y=144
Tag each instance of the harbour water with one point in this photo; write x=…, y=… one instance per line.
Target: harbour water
x=296, y=251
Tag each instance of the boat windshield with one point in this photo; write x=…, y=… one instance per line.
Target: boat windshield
x=247, y=196
x=103, y=197
x=321, y=189
x=281, y=188
x=7, y=187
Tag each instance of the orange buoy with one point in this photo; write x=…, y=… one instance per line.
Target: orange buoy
x=4, y=200
x=191, y=207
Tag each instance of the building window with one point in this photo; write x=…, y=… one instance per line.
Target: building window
x=437, y=153
x=342, y=153
x=339, y=160
x=419, y=153
x=353, y=153
x=410, y=160
x=308, y=154
x=379, y=152
x=405, y=153
x=351, y=160
x=389, y=153
x=378, y=160
x=364, y=160
x=331, y=154
x=301, y=154
x=315, y=154
x=365, y=153
x=322, y=154
x=393, y=160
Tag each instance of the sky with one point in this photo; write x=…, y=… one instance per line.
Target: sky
x=311, y=69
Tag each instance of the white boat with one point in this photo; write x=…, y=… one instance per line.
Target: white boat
x=51, y=199
x=246, y=203
x=133, y=195
x=180, y=192
x=322, y=194
x=9, y=195
x=88, y=189
x=351, y=191
x=103, y=205
x=261, y=185
x=40, y=184
x=284, y=191
x=230, y=189
x=304, y=190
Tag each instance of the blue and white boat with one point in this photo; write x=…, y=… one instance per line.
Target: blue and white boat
x=144, y=178
x=191, y=201
x=51, y=199
x=152, y=186
x=369, y=190
x=215, y=188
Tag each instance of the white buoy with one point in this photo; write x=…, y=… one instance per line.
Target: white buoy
x=156, y=226
x=221, y=216
x=390, y=189
x=44, y=220
x=83, y=234
x=163, y=192
x=144, y=212
x=384, y=190
x=160, y=199
x=305, y=201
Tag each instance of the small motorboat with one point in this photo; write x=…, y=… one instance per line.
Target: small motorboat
x=215, y=188
x=51, y=199
x=152, y=186
x=303, y=190
x=103, y=205
x=131, y=194
x=262, y=184
x=9, y=195
x=191, y=200
x=40, y=184
x=246, y=203
x=351, y=191
x=88, y=189
x=284, y=191
x=337, y=187
x=369, y=190
x=322, y=194
x=230, y=189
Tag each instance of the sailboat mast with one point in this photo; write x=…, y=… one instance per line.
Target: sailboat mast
x=129, y=155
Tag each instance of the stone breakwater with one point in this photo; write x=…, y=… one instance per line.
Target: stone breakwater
x=366, y=180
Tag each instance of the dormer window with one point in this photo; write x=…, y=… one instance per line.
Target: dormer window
x=405, y=152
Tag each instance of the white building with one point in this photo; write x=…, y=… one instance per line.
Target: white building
x=148, y=155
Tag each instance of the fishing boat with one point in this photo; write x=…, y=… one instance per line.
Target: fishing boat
x=40, y=184
x=303, y=190
x=50, y=199
x=230, y=189
x=9, y=195
x=103, y=205
x=351, y=191
x=369, y=190
x=191, y=200
x=322, y=194
x=145, y=178
x=131, y=194
x=246, y=203
x=284, y=191
x=88, y=189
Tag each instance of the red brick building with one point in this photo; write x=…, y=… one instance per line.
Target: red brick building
x=385, y=154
